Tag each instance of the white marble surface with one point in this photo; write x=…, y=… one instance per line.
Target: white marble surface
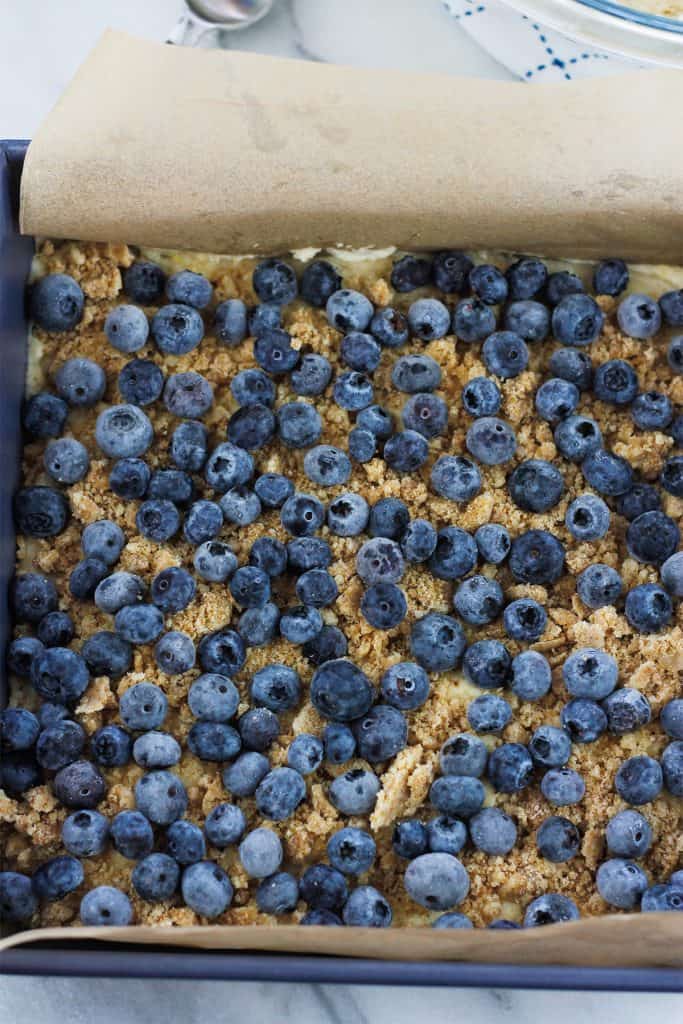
x=41, y=44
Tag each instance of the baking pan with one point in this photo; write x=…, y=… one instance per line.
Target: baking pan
x=128, y=961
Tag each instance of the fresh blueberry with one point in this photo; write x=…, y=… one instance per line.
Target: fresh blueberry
x=425, y=413
x=493, y=831
x=621, y=883
x=215, y=561
x=535, y=485
x=418, y=541
x=275, y=281
x=409, y=839
x=648, y=608
x=143, y=706
x=415, y=374
x=190, y=288
x=437, y=642
x=340, y=690
x=405, y=686
x=19, y=729
x=261, y=853
x=610, y=277
x=323, y=887
x=463, y=754
x=481, y=397
x=389, y=327
x=583, y=720
x=505, y=354
x=459, y=796
x=348, y=310
x=155, y=878
x=318, y=281
x=671, y=305
x=279, y=794
x=250, y=586
x=19, y=772
x=306, y=553
x=188, y=395
x=158, y=520
x=389, y=517
x=587, y=518
x=493, y=542
x=381, y=733
x=243, y=776
x=360, y=351
x=486, y=663
x=322, y=918
x=380, y=560
x=489, y=284
x=213, y=741
x=671, y=477
x=537, y=557
x=429, y=319
x=300, y=624
x=107, y=654
x=456, y=477
x=550, y=747
x=510, y=768
x=590, y=673
x=86, y=576
x=572, y=365
x=60, y=675
x=563, y=786
x=57, y=877
x=410, y=272
x=577, y=437
x=562, y=283
x=348, y=515
x=556, y=399
x=639, y=780
x=274, y=353
x=327, y=466
x=174, y=653
x=230, y=322
x=141, y=382
x=455, y=554
x=339, y=743
x=305, y=753
x=445, y=835
x=161, y=797
x=491, y=441
x=21, y=653
x=299, y=424
x=104, y=540
x=278, y=894
x=240, y=506
x=652, y=410
x=206, y=888
x=177, y=329
x=599, y=585
x=437, y=881
x=33, y=596
x=639, y=316
x=662, y=897
x=273, y=489
x=384, y=605
x=56, y=302
x=672, y=767
x=674, y=355
x=353, y=391
x=213, y=698
x=123, y=431
x=129, y=478
x=60, y=744
x=489, y=713
x=44, y=415
x=79, y=784
x=258, y=626
x=366, y=907
x=525, y=620
x=317, y=588
x=311, y=376
x=66, y=460
x=144, y=282
x=225, y=825
x=628, y=835
x=172, y=589
x=451, y=269
x=526, y=277
x=652, y=538
x=203, y=521
x=227, y=467
x=132, y=835
x=577, y=320
x=550, y=908
x=473, y=320
x=106, y=905
x=263, y=318
x=85, y=833
x=351, y=851
x=40, y=511
x=252, y=387
x=478, y=600
x=355, y=792
x=111, y=745
x=671, y=718
x=609, y=474
x=330, y=643
x=276, y=687
x=527, y=318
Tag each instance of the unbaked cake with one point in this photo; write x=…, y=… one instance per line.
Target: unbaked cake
x=347, y=592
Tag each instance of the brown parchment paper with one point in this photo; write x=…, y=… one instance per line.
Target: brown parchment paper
x=233, y=152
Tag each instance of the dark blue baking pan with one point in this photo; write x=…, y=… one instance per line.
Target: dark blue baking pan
x=119, y=961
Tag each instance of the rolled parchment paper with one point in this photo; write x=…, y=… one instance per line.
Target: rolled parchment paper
x=234, y=153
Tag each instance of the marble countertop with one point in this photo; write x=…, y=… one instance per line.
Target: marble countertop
x=41, y=45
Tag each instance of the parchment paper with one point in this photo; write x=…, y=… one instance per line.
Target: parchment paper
x=232, y=152
x=229, y=152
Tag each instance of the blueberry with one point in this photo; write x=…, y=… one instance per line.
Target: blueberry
x=276, y=687
x=355, y=792
x=318, y=281
x=360, y=351
x=189, y=444
x=56, y=302
x=366, y=907
x=274, y=281
x=531, y=676
x=527, y=318
x=278, y=894
x=489, y=284
x=132, y=834
x=493, y=831
x=44, y=415
x=610, y=277
x=60, y=675
x=158, y=520
x=213, y=741
x=351, y=851
x=206, y=888
x=577, y=437
x=79, y=784
x=458, y=796
x=437, y=642
x=203, y=521
x=599, y=585
x=123, y=431
x=418, y=541
x=380, y=560
x=161, y=797
x=348, y=515
x=562, y=786
x=409, y=839
x=311, y=376
x=428, y=319
x=177, y=329
x=410, y=272
x=144, y=282
x=252, y=427
x=639, y=316
x=213, y=698
x=305, y=753
x=437, y=881
x=111, y=745
x=583, y=720
x=572, y=365
x=126, y=328
x=240, y=506
x=671, y=718
x=535, y=485
x=672, y=767
x=662, y=897
x=389, y=517
x=456, y=477
x=510, y=768
x=317, y=588
x=299, y=424
x=526, y=277
x=308, y=553
x=279, y=793
x=190, y=288
x=648, y=608
x=674, y=355
x=174, y=653
x=21, y=653
x=339, y=742
x=652, y=537
x=107, y=654
x=427, y=414
x=550, y=908
x=587, y=518
x=525, y=620
x=155, y=878
x=189, y=395
x=274, y=353
x=415, y=374
x=486, y=663
x=258, y=626
x=451, y=269
x=473, y=320
x=66, y=460
x=323, y=887
x=491, y=441
x=323, y=918
x=463, y=754
x=340, y=690
x=505, y=354
x=652, y=410
x=225, y=825
x=143, y=706
x=389, y=327
x=19, y=772
x=478, y=600
x=85, y=578
x=639, y=780
x=445, y=835
x=671, y=477
x=455, y=554
x=481, y=397
x=129, y=478
x=384, y=605
x=40, y=511
x=352, y=391
x=562, y=283
x=300, y=624
x=671, y=305
x=141, y=382
x=243, y=776
x=537, y=557
x=577, y=320
x=19, y=729
x=590, y=673
x=550, y=747
x=172, y=590
x=85, y=833
x=263, y=318
x=348, y=310
x=556, y=399
x=327, y=466
x=273, y=489
x=504, y=924
x=405, y=686
x=609, y=474
x=489, y=713
x=60, y=744
x=381, y=733
x=57, y=877
x=106, y=905
x=330, y=643
x=621, y=883
x=230, y=322
x=33, y=596
x=628, y=835
x=261, y=853
x=250, y=586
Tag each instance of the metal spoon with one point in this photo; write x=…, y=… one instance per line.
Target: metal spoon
x=200, y=16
